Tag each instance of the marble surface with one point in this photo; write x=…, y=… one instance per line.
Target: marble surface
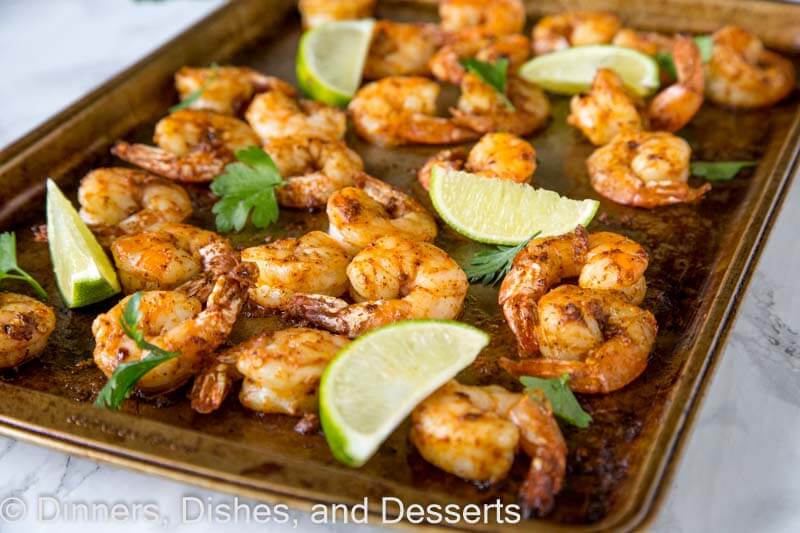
x=739, y=471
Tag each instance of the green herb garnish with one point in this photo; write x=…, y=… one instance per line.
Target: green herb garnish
x=719, y=170
x=489, y=267
x=127, y=375
x=565, y=405
x=245, y=186
x=494, y=74
x=9, y=269
x=704, y=42
x=197, y=93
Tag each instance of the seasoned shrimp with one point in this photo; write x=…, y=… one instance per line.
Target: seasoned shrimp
x=392, y=279
x=649, y=43
x=176, y=322
x=193, y=146
x=481, y=108
x=121, y=201
x=316, y=12
x=601, y=341
x=606, y=110
x=25, y=327
x=312, y=168
x=360, y=215
x=603, y=261
x=673, y=108
x=475, y=433
x=646, y=169
x=574, y=28
x=496, y=155
x=401, y=49
x=225, y=90
x=278, y=113
x=163, y=258
x=473, y=19
x=314, y=263
x=743, y=74
x=446, y=65
x=400, y=110
x=615, y=263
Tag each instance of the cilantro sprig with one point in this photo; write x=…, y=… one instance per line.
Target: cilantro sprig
x=247, y=185
x=127, y=375
x=719, y=170
x=565, y=405
x=494, y=74
x=197, y=93
x=489, y=267
x=704, y=42
x=9, y=269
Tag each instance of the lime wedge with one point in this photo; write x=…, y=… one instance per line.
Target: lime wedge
x=378, y=379
x=571, y=70
x=83, y=272
x=330, y=59
x=502, y=211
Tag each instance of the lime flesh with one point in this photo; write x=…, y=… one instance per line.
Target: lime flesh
x=378, y=379
x=83, y=271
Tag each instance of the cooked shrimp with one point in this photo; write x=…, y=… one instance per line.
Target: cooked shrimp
x=649, y=43
x=673, y=108
x=606, y=110
x=225, y=90
x=358, y=216
x=615, y=263
x=176, y=322
x=25, y=327
x=574, y=28
x=496, y=155
x=646, y=169
x=278, y=113
x=475, y=433
x=193, y=146
x=314, y=263
x=538, y=267
x=316, y=12
x=481, y=108
x=400, y=110
x=602, y=261
x=312, y=168
x=742, y=73
x=163, y=258
x=121, y=201
x=401, y=49
x=473, y=19
x=601, y=341
x=392, y=279
x=446, y=65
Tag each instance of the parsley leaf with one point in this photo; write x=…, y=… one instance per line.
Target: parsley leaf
x=9, y=269
x=494, y=74
x=245, y=186
x=704, y=42
x=565, y=405
x=719, y=170
x=197, y=93
x=127, y=375
x=489, y=267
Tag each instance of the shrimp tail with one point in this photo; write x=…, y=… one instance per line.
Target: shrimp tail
x=544, y=480
x=320, y=310
x=198, y=166
x=213, y=385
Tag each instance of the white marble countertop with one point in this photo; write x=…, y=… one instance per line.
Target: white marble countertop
x=739, y=470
